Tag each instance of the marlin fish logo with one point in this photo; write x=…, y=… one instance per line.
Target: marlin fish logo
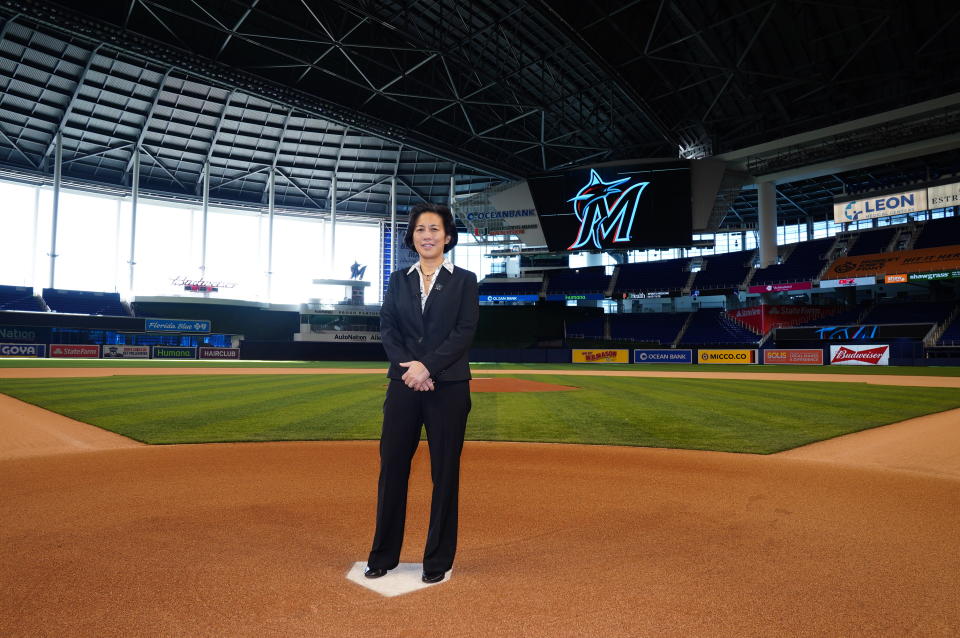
x=602, y=206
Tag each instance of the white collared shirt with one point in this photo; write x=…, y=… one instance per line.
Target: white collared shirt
x=425, y=291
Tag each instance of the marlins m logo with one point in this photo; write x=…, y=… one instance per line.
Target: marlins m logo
x=602, y=206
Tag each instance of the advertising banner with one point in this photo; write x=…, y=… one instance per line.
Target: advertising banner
x=903, y=261
x=24, y=334
x=66, y=351
x=933, y=276
x=762, y=319
x=866, y=332
x=663, y=356
x=22, y=350
x=601, y=356
x=514, y=215
x=797, y=285
x=896, y=279
x=726, y=356
x=176, y=325
x=207, y=352
x=811, y=357
x=943, y=196
x=860, y=355
x=126, y=352
x=509, y=297
x=882, y=206
x=590, y=296
x=339, y=336
x=174, y=352
x=850, y=281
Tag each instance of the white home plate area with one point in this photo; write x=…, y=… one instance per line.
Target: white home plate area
x=403, y=579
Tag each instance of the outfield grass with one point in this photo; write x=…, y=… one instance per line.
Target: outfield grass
x=920, y=371
x=701, y=414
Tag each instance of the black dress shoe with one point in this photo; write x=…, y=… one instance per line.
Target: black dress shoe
x=432, y=577
x=373, y=572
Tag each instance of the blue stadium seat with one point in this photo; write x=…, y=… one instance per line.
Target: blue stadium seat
x=804, y=264
x=724, y=271
x=19, y=298
x=653, y=276
x=711, y=326
x=939, y=232
x=648, y=327
x=84, y=302
x=578, y=280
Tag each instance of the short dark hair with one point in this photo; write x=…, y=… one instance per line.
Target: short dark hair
x=449, y=226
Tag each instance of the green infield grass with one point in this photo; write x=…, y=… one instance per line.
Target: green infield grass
x=703, y=414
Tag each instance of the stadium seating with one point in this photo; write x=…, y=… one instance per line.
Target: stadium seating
x=591, y=327
x=848, y=317
x=804, y=264
x=711, y=326
x=83, y=302
x=872, y=241
x=19, y=298
x=653, y=276
x=939, y=232
x=951, y=336
x=578, y=280
x=912, y=312
x=649, y=327
x=723, y=271
x=501, y=287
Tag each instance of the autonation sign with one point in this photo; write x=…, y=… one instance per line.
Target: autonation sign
x=883, y=206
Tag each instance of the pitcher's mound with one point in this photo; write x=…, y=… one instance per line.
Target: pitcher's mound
x=507, y=384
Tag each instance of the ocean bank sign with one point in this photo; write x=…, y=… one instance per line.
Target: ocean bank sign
x=663, y=356
x=883, y=206
x=177, y=325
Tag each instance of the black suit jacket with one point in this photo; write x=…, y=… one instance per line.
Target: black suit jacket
x=440, y=336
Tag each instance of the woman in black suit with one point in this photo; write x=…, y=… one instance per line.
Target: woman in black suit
x=427, y=322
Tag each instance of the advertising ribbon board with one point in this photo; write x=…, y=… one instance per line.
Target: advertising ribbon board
x=24, y=334
x=896, y=263
x=176, y=325
x=590, y=296
x=853, y=355
x=601, y=356
x=882, y=206
x=67, y=351
x=126, y=352
x=797, y=285
x=726, y=356
x=810, y=357
x=943, y=196
x=934, y=276
x=174, y=352
x=663, y=356
x=22, y=350
x=846, y=283
x=509, y=297
x=219, y=353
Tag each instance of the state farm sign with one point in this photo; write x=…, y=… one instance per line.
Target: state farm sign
x=74, y=352
x=860, y=355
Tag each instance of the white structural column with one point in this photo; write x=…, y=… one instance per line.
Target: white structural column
x=134, y=201
x=767, y=213
x=393, y=224
x=594, y=259
x=206, y=214
x=57, y=173
x=271, y=193
x=36, y=238
x=453, y=193
x=333, y=223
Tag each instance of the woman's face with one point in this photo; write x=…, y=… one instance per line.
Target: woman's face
x=430, y=236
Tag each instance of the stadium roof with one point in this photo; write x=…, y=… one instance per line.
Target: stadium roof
x=486, y=91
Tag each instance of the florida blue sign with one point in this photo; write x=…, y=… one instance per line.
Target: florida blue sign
x=177, y=325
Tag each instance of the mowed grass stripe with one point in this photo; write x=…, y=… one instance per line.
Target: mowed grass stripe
x=705, y=414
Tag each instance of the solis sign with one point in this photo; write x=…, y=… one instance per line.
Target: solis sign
x=853, y=355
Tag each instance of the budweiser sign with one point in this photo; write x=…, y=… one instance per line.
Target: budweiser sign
x=860, y=355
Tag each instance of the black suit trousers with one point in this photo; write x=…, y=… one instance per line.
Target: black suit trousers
x=443, y=412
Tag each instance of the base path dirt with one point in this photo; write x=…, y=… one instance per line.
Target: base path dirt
x=555, y=540
x=26, y=430
x=928, y=444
